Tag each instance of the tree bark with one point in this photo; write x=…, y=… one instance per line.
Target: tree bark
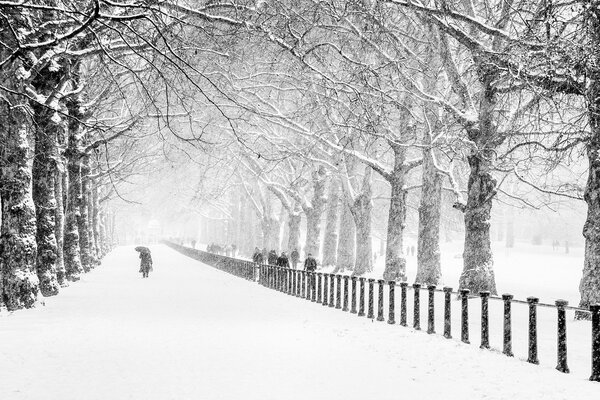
x=395, y=263
x=83, y=218
x=429, y=270
x=294, y=220
x=43, y=176
x=478, y=272
x=330, y=238
x=19, y=282
x=72, y=256
x=59, y=229
x=589, y=287
x=314, y=213
x=346, y=249
x=362, y=212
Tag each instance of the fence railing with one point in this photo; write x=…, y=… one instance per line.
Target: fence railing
x=340, y=292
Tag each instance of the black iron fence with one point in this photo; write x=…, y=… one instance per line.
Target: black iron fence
x=340, y=292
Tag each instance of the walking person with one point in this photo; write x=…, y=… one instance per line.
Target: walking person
x=283, y=261
x=295, y=257
x=310, y=266
x=145, y=260
x=257, y=257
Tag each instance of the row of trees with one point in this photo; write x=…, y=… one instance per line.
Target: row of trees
x=305, y=102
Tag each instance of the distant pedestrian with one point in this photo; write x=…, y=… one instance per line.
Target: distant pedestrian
x=310, y=266
x=295, y=257
x=566, y=247
x=412, y=250
x=282, y=260
x=193, y=244
x=272, y=257
x=257, y=257
x=233, y=250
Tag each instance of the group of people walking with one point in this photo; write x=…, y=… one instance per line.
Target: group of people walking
x=282, y=260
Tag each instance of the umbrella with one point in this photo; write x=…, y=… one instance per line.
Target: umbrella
x=142, y=249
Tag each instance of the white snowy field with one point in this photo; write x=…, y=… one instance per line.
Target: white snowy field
x=193, y=332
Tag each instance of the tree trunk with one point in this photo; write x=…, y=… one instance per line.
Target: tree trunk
x=43, y=177
x=478, y=272
x=83, y=218
x=96, y=221
x=395, y=263
x=294, y=220
x=362, y=212
x=429, y=270
x=589, y=286
x=330, y=240
x=59, y=229
x=346, y=249
x=72, y=256
x=314, y=213
x=19, y=282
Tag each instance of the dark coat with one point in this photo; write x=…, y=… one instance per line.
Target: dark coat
x=145, y=261
x=258, y=257
x=282, y=261
x=272, y=257
x=310, y=264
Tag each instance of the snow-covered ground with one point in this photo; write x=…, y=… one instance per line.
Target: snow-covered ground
x=193, y=332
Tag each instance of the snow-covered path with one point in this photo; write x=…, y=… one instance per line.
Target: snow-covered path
x=193, y=332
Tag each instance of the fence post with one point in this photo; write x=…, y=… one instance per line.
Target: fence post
x=361, y=300
x=485, y=319
x=325, y=297
x=562, y=337
x=431, y=310
x=353, y=297
x=392, y=301
x=507, y=347
x=331, y=290
x=319, y=286
x=338, y=293
x=294, y=282
x=370, y=310
x=595, y=309
x=533, y=356
x=403, y=286
x=417, y=306
x=380, y=301
x=304, y=294
x=447, y=313
x=312, y=283
x=464, y=331
x=345, y=307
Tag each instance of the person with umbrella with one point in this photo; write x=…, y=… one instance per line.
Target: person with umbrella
x=145, y=260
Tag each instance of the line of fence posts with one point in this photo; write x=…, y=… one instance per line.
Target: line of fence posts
x=322, y=288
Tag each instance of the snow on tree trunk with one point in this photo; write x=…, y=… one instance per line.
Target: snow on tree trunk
x=59, y=228
x=314, y=213
x=589, y=287
x=83, y=218
x=346, y=249
x=72, y=256
x=90, y=208
x=395, y=263
x=19, y=282
x=478, y=272
x=429, y=270
x=96, y=221
x=362, y=208
x=330, y=238
x=43, y=179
